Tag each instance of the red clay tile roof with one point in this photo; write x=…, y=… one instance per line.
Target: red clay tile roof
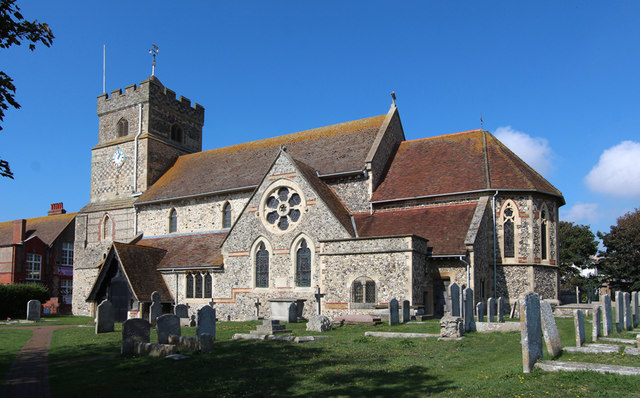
x=188, y=251
x=46, y=228
x=140, y=266
x=461, y=162
x=444, y=226
x=331, y=149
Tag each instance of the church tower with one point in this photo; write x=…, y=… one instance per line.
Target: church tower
x=141, y=133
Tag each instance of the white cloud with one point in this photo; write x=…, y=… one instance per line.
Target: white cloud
x=618, y=171
x=581, y=213
x=533, y=150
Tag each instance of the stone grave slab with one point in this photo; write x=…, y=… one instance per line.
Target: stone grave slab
x=628, y=320
x=496, y=327
x=33, y=310
x=578, y=323
x=619, y=311
x=500, y=309
x=597, y=330
x=181, y=311
x=530, y=331
x=206, y=321
x=594, y=349
x=394, y=317
x=167, y=324
x=618, y=340
x=406, y=311
x=134, y=331
x=104, y=317
x=392, y=335
x=634, y=308
x=469, y=320
x=557, y=366
x=550, y=329
x=491, y=310
x=607, y=316
x=155, y=310
x=480, y=311
x=454, y=293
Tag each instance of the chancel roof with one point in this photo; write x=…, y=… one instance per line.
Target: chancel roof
x=331, y=149
x=200, y=250
x=444, y=226
x=462, y=162
x=46, y=228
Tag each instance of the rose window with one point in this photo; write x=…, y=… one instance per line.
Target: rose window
x=283, y=208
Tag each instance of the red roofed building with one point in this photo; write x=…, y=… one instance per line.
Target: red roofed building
x=352, y=208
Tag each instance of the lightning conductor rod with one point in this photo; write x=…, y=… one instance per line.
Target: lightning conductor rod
x=104, y=72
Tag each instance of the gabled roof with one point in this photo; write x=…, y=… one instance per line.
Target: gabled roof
x=462, y=162
x=46, y=228
x=189, y=250
x=445, y=226
x=332, y=149
x=139, y=264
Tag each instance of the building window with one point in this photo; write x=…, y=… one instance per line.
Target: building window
x=176, y=133
x=262, y=266
x=123, y=127
x=363, y=290
x=34, y=266
x=207, y=285
x=189, y=289
x=67, y=253
x=66, y=287
x=543, y=234
x=107, y=228
x=198, y=292
x=226, y=215
x=508, y=225
x=173, y=221
x=303, y=265
x=199, y=285
x=282, y=207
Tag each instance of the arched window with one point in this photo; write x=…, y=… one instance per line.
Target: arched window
x=198, y=278
x=123, y=127
x=262, y=266
x=194, y=288
x=363, y=290
x=176, y=133
x=173, y=221
x=107, y=228
x=508, y=226
x=207, y=285
x=544, y=225
x=303, y=265
x=189, y=286
x=226, y=215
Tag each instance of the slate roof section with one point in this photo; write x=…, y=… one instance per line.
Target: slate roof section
x=189, y=250
x=47, y=228
x=140, y=266
x=332, y=149
x=445, y=227
x=461, y=162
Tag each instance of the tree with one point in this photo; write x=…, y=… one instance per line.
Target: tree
x=576, y=246
x=621, y=262
x=13, y=30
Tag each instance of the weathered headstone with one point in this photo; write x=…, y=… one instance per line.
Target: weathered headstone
x=607, y=316
x=530, y=331
x=134, y=331
x=469, y=320
x=155, y=310
x=634, y=309
x=619, y=311
x=451, y=327
x=104, y=317
x=500, y=309
x=181, y=311
x=597, y=331
x=628, y=321
x=578, y=322
x=515, y=311
x=33, y=310
x=393, y=312
x=480, y=311
x=319, y=323
x=167, y=324
x=206, y=321
x=454, y=291
x=491, y=310
x=406, y=311
x=550, y=330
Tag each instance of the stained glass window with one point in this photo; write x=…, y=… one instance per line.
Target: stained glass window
x=303, y=265
x=173, y=221
x=226, y=216
x=189, y=286
x=543, y=235
x=198, y=292
x=262, y=267
x=508, y=231
x=207, y=285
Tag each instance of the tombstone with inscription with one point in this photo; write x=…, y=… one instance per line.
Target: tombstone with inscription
x=181, y=311
x=500, y=309
x=530, y=331
x=491, y=310
x=33, y=310
x=480, y=311
x=167, y=324
x=619, y=311
x=393, y=312
x=628, y=321
x=134, y=331
x=406, y=311
x=607, y=317
x=550, y=329
x=155, y=310
x=469, y=321
x=206, y=321
x=104, y=317
x=454, y=291
x=578, y=321
x=596, y=331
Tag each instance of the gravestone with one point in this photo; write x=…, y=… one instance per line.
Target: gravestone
x=181, y=311
x=318, y=323
x=406, y=311
x=167, y=324
x=480, y=311
x=628, y=321
x=205, y=342
x=193, y=322
x=550, y=329
x=530, y=331
x=257, y=304
x=454, y=293
x=469, y=320
x=206, y=321
x=33, y=310
x=634, y=309
x=619, y=311
x=451, y=327
x=393, y=312
x=578, y=322
x=104, y=317
x=491, y=310
x=155, y=310
x=500, y=309
x=319, y=297
x=607, y=316
x=597, y=331
x=134, y=331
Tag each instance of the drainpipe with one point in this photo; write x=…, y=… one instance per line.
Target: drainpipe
x=468, y=271
x=135, y=151
x=495, y=248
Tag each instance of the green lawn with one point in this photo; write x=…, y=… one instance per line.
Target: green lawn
x=344, y=364
x=51, y=320
x=10, y=343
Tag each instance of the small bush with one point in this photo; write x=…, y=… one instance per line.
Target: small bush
x=14, y=298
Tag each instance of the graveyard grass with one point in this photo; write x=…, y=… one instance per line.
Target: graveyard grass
x=11, y=340
x=345, y=364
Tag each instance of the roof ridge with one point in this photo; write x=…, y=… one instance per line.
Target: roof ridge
x=506, y=151
x=443, y=135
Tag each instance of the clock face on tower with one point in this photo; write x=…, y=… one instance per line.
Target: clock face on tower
x=118, y=158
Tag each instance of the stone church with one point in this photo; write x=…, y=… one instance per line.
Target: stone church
x=353, y=209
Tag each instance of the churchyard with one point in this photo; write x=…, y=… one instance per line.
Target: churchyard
x=345, y=363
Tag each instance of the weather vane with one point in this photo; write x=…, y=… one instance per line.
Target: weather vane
x=154, y=51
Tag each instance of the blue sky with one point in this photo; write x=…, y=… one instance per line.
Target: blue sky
x=556, y=81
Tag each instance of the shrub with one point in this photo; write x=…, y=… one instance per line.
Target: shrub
x=14, y=298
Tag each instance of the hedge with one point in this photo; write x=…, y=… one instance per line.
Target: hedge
x=14, y=298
